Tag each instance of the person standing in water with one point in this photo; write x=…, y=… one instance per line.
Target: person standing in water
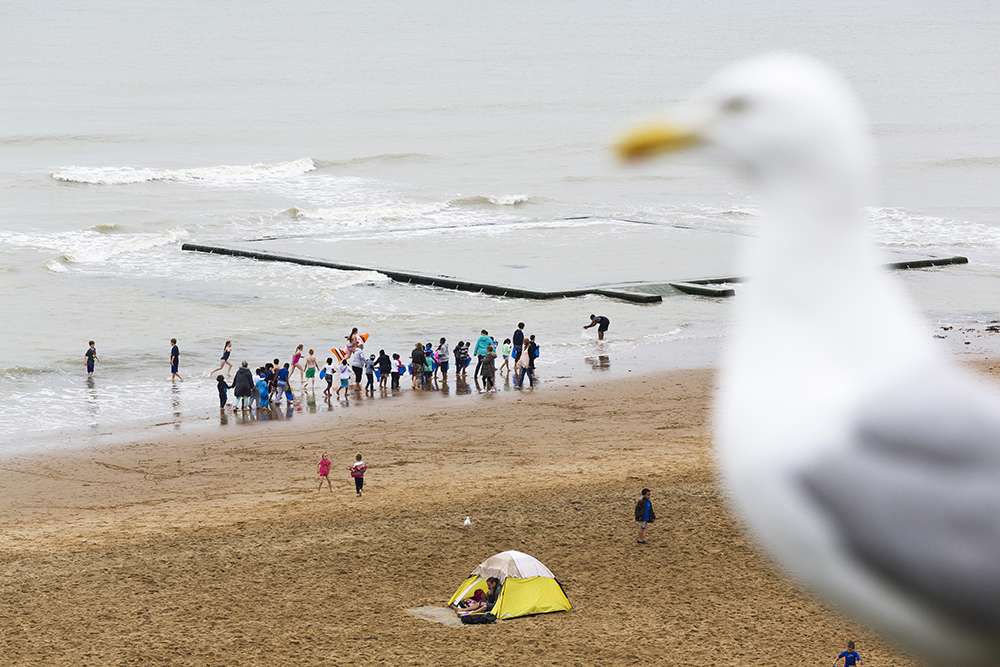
x=602, y=323
x=91, y=356
x=312, y=369
x=175, y=361
x=296, y=358
x=224, y=360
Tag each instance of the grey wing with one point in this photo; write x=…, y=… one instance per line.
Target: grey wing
x=916, y=494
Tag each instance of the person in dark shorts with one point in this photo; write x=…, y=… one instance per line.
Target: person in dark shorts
x=358, y=473
x=644, y=515
x=602, y=323
x=850, y=656
x=91, y=357
x=517, y=340
x=441, y=354
x=175, y=360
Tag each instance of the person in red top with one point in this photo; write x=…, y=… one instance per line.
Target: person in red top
x=358, y=473
x=323, y=468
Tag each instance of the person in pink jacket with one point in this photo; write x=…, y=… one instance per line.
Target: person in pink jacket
x=358, y=473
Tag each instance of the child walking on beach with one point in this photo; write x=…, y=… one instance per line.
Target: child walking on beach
x=345, y=378
x=221, y=379
x=323, y=468
x=644, y=515
x=328, y=372
x=358, y=473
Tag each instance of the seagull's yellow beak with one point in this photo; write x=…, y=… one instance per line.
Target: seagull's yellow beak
x=650, y=139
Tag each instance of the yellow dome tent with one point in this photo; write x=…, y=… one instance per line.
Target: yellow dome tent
x=526, y=586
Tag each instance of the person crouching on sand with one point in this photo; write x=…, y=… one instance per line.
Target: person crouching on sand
x=323, y=468
x=358, y=473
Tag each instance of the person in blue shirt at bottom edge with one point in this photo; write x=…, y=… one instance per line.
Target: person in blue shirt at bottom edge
x=850, y=656
x=644, y=514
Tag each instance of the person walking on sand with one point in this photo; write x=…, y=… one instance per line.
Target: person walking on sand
x=850, y=656
x=227, y=349
x=175, y=361
x=312, y=369
x=243, y=386
x=370, y=375
x=296, y=364
x=489, y=369
x=358, y=473
x=505, y=350
x=358, y=364
x=518, y=341
x=344, y=372
x=328, y=372
x=91, y=356
x=441, y=356
x=417, y=359
x=384, y=364
x=323, y=469
x=223, y=387
x=644, y=515
x=602, y=323
x=480, y=350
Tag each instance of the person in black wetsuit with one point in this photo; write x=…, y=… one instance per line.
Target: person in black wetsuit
x=602, y=323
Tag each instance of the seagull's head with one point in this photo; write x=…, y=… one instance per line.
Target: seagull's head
x=782, y=116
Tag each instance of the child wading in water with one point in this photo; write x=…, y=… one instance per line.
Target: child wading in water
x=358, y=473
x=323, y=468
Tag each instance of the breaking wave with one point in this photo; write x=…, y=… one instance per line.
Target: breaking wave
x=222, y=175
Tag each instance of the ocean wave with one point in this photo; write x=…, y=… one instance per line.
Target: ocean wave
x=385, y=158
x=495, y=200
x=224, y=174
x=896, y=227
x=30, y=139
x=88, y=245
x=400, y=210
x=960, y=162
x=103, y=248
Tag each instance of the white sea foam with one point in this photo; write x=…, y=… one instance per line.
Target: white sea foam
x=89, y=245
x=899, y=228
x=221, y=175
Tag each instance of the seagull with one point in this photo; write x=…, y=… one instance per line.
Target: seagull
x=864, y=461
x=467, y=522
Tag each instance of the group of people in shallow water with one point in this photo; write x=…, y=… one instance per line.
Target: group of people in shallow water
x=271, y=383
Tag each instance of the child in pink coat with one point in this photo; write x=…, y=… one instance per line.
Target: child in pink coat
x=323, y=468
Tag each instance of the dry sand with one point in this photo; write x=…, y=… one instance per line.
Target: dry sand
x=216, y=549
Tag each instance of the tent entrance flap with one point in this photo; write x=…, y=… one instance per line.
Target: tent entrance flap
x=468, y=588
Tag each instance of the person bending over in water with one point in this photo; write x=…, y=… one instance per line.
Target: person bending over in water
x=602, y=323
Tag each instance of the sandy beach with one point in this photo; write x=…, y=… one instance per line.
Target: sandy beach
x=217, y=550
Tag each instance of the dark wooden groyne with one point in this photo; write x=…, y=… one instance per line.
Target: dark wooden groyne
x=640, y=292
x=445, y=282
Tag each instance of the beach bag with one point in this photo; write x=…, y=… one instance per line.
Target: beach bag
x=478, y=619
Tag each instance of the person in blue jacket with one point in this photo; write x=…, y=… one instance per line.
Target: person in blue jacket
x=644, y=514
x=850, y=656
x=480, y=350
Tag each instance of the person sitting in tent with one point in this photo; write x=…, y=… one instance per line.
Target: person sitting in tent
x=477, y=597
x=484, y=606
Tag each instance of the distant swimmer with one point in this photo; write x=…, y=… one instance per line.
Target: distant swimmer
x=602, y=323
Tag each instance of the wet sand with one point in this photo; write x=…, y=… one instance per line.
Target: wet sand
x=215, y=549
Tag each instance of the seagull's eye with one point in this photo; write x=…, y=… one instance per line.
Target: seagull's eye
x=736, y=105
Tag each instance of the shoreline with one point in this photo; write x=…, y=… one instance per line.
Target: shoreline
x=214, y=548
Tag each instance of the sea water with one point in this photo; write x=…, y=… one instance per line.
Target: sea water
x=128, y=129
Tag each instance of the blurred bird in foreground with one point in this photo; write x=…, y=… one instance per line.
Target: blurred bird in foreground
x=866, y=462
x=467, y=522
